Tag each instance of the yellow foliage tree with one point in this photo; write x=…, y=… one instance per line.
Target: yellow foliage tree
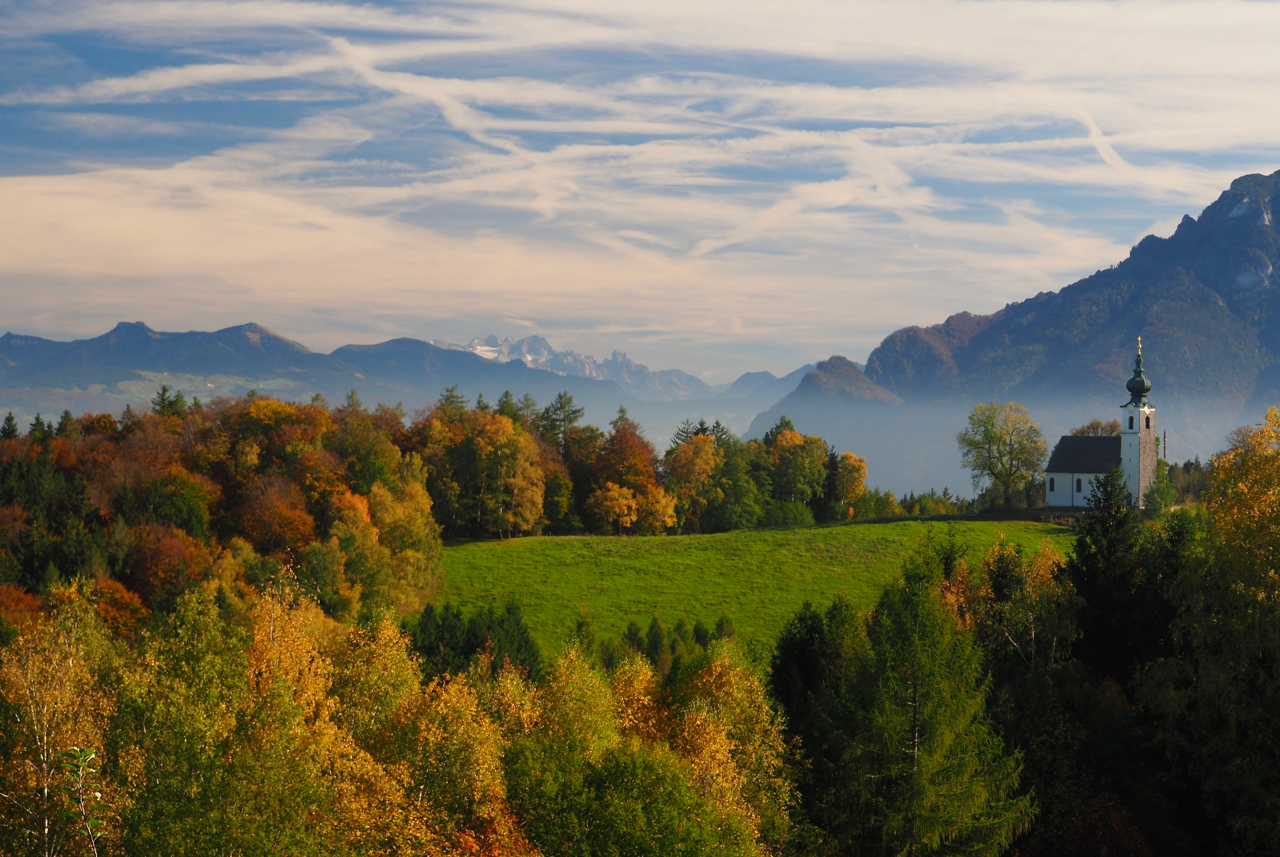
x=615, y=507
x=690, y=468
x=452, y=754
x=636, y=699
x=54, y=701
x=851, y=484
x=298, y=775
x=655, y=511
x=1242, y=498
x=799, y=466
x=578, y=705
x=732, y=735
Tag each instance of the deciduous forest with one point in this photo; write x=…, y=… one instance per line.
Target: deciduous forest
x=221, y=634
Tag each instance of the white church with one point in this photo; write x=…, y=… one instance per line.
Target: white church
x=1078, y=461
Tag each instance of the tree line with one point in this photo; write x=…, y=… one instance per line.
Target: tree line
x=1117, y=700
x=199, y=653
x=352, y=503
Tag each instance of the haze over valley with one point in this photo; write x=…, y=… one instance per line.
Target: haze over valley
x=1203, y=300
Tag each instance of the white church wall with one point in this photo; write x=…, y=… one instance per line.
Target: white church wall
x=1063, y=491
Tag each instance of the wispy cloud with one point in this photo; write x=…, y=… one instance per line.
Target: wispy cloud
x=725, y=184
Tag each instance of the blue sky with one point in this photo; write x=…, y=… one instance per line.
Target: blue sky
x=715, y=186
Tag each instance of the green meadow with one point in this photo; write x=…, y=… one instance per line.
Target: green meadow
x=759, y=578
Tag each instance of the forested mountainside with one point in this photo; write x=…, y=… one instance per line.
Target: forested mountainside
x=1205, y=302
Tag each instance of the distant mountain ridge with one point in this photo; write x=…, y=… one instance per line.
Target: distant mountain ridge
x=634, y=378
x=1205, y=300
x=128, y=363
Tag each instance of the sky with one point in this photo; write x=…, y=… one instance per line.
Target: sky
x=712, y=186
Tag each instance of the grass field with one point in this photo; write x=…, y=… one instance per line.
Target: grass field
x=758, y=577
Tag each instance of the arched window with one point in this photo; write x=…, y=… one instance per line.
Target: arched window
x=1148, y=422
x=1051, y=483
x=1078, y=488
x=1130, y=423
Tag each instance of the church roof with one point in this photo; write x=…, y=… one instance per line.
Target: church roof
x=1084, y=455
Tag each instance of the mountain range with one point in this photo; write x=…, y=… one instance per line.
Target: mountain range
x=1205, y=300
x=128, y=363
x=633, y=378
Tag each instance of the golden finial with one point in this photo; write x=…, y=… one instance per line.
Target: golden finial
x=1139, y=346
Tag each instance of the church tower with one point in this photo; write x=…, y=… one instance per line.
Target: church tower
x=1138, y=434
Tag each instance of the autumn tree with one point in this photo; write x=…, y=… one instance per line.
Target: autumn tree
x=847, y=479
x=628, y=496
x=614, y=507
x=274, y=516
x=55, y=699
x=1097, y=428
x=1003, y=446
x=799, y=467
x=691, y=468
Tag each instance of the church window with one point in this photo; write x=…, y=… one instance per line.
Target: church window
x=1148, y=422
x=1130, y=423
x=1078, y=488
x=1050, y=483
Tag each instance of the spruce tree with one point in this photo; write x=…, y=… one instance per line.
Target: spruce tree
x=168, y=405
x=68, y=428
x=892, y=711
x=934, y=771
x=9, y=430
x=1125, y=618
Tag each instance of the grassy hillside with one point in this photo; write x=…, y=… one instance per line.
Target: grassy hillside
x=758, y=577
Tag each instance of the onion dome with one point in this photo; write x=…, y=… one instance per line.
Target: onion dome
x=1138, y=385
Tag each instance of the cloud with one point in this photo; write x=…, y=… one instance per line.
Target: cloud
x=713, y=181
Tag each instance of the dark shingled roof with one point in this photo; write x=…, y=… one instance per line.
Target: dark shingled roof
x=1084, y=455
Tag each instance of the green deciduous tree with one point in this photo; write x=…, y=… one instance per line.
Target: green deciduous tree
x=1004, y=446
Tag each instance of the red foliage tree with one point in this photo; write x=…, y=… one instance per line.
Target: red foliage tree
x=166, y=562
x=274, y=516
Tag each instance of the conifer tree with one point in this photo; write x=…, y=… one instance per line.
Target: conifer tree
x=892, y=710
x=557, y=419
x=9, y=430
x=935, y=771
x=169, y=405
x=68, y=428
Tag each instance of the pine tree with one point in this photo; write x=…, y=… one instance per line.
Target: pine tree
x=68, y=428
x=507, y=407
x=935, y=772
x=784, y=424
x=557, y=419
x=1123, y=622
x=168, y=405
x=893, y=711
x=9, y=430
